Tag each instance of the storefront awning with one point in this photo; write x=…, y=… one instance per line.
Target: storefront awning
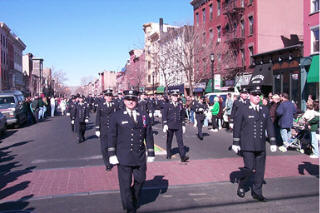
x=209, y=87
x=160, y=89
x=179, y=88
x=262, y=75
x=313, y=74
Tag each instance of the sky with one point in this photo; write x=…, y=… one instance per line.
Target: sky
x=85, y=37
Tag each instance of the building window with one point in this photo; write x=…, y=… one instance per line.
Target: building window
x=250, y=25
x=211, y=11
x=315, y=39
x=219, y=33
x=242, y=28
x=149, y=65
x=314, y=6
x=218, y=7
x=242, y=3
x=204, y=16
x=149, y=79
x=204, y=37
x=211, y=34
x=250, y=2
x=197, y=19
x=251, y=54
x=242, y=57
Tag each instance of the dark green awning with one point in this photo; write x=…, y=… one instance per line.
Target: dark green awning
x=313, y=74
x=160, y=89
x=208, y=87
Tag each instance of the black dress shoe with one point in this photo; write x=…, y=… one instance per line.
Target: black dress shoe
x=169, y=157
x=108, y=168
x=241, y=192
x=184, y=158
x=259, y=197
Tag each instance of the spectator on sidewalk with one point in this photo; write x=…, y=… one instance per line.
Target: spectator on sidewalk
x=215, y=111
x=52, y=106
x=220, y=113
x=314, y=127
x=285, y=111
x=228, y=110
x=273, y=108
x=63, y=105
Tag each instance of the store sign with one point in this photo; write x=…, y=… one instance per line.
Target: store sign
x=217, y=81
x=201, y=85
x=243, y=80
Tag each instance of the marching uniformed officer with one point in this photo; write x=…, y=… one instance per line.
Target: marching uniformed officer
x=199, y=108
x=119, y=101
x=128, y=130
x=70, y=110
x=104, y=111
x=250, y=124
x=174, y=123
x=80, y=118
x=243, y=100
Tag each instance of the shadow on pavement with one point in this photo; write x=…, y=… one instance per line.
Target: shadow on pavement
x=312, y=169
x=7, y=134
x=152, y=189
x=9, y=173
x=176, y=150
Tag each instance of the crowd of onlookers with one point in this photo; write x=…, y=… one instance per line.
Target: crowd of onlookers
x=40, y=107
x=284, y=114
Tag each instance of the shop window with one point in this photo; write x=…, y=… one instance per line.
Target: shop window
x=277, y=84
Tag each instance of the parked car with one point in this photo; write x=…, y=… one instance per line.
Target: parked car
x=12, y=105
x=3, y=123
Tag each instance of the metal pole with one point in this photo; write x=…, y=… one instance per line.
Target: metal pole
x=212, y=76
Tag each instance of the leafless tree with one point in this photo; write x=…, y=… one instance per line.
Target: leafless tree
x=60, y=79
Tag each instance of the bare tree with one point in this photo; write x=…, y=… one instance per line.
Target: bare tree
x=60, y=78
x=86, y=80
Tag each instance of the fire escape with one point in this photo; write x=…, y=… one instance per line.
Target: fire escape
x=233, y=33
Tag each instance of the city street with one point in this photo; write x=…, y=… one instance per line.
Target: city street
x=44, y=170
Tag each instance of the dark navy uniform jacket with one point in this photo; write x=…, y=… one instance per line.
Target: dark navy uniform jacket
x=236, y=105
x=71, y=109
x=144, y=106
x=250, y=126
x=126, y=138
x=81, y=113
x=119, y=104
x=103, y=116
x=174, y=116
x=199, y=109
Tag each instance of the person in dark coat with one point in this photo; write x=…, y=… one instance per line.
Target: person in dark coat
x=250, y=124
x=104, y=111
x=174, y=123
x=199, y=108
x=128, y=130
x=120, y=102
x=285, y=111
x=243, y=100
x=71, y=110
x=80, y=118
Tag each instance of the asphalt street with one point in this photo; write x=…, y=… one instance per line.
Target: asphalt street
x=50, y=145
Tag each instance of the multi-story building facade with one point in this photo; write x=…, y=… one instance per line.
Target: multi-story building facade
x=152, y=33
x=108, y=80
x=27, y=67
x=235, y=30
x=11, y=49
x=310, y=62
x=37, y=79
x=135, y=70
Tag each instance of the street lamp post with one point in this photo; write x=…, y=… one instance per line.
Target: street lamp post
x=212, y=71
x=152, y=83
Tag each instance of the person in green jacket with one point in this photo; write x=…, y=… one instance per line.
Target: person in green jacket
x=314, y=126
x=214, y=111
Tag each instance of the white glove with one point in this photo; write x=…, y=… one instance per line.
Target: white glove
x=165, y=128
x=87, y=121
x=200, y=110
x=150, y=114
x=113, y=160
x=235, y=148
x=273, y=148
x=183, y=129
x=68, y=114
x=72, y=122
x=150, y=159
x=98, y=133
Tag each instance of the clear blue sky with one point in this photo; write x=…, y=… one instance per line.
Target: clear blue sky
x=84, y=37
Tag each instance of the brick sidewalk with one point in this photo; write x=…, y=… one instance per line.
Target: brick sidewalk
x=56, y=182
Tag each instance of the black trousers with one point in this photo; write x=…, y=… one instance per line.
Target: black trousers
x=81, y=130
x=214, y=122
x=130, y=194
x=200, y=120
x=104, y=148
x=253, y=161
x=178, y=133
